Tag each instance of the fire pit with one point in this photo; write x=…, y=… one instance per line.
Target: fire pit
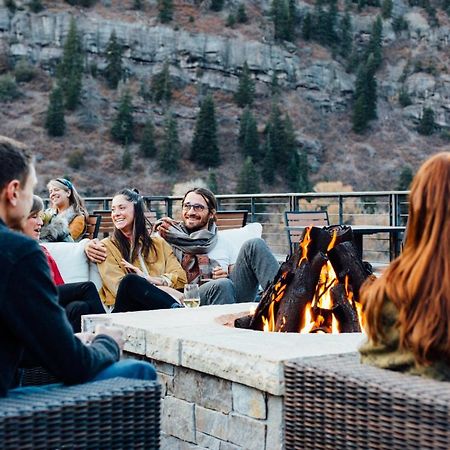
x=317, y=289
x=223, y=387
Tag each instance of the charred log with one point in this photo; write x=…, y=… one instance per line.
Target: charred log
x=344, y=311
x=243, y=322
x=346, y=261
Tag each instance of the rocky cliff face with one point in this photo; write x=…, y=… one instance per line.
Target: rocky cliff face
x=215, y=61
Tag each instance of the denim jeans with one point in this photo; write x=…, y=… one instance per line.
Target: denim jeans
x=255, y=266
x=126, y=368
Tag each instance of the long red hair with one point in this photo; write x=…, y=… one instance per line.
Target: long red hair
x=418, y=281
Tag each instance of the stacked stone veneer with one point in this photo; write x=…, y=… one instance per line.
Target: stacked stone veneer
x=222, y=387
x=201, y=411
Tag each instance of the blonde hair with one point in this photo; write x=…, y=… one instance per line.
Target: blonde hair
x=418, y=281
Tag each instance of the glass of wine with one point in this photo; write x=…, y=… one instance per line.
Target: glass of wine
x=191, y=295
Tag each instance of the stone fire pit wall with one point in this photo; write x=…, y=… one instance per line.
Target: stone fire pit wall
x=222, y=387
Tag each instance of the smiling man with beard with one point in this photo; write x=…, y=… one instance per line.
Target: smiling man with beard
x=206, y=255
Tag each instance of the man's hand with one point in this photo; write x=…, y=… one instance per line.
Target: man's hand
x=163, y=225
x=219, y=272
x=85, y=338
x=114, y=332
x=95, y=251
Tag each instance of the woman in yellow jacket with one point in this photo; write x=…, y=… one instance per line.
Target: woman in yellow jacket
x=140, y=272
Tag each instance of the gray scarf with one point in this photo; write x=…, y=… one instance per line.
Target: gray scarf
x=188, y=249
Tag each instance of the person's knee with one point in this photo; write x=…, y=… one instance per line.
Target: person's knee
x=129, y=280
x=129, y=368
x=220, y=291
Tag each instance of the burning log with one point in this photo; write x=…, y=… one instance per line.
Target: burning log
x=299, y=292
x=346, y=261
x=344, y=310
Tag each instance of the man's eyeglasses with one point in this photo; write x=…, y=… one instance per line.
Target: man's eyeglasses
x=195, y=206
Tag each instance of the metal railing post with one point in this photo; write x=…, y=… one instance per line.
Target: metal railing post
x=341, y=210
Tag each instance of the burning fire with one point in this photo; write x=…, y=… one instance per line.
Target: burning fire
x=318, y=314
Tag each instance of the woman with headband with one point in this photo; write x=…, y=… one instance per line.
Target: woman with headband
x=68, y=215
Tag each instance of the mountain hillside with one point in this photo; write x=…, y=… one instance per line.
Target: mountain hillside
x=310, y=77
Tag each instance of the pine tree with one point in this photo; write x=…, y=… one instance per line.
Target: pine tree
x=405, y=179
x=283, y=20
x=292, y=172
x=212, y=182
x=113, y=70
x=276, y=133
x=216, y=5
x=331, y=37
x=55, y=122
x=126, y=158
x=165, y=8
x=122, y=129
x=241, y=14
x=138, y=5
x=170, y=153
x=248, y=182
x=161, y=86
x=268, y=163
x=204, y=148
x=303, y=183
x=35, y=6
x=290, y=143
x=375, y=45
x=386, y=9
x=427, y=125
x=345, y=35
x=246, y=90
x=147, y=146
x=359, y=115
x=248, y=135
x=307, y=27
x=70, y=69
x=365, y=97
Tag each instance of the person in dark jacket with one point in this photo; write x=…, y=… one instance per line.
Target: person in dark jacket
x=31, y=320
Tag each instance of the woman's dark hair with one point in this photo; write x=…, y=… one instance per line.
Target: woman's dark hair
x=141, y=240
x=209, y=198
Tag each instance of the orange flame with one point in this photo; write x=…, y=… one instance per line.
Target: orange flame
x=304, y=245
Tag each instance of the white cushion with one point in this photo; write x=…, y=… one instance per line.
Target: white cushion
x=71, y=260
x=235, y=237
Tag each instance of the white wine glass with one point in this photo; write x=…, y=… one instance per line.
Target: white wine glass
x=191, y=295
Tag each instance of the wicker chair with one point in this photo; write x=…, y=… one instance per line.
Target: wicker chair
x=117, y=413
x=335, y=402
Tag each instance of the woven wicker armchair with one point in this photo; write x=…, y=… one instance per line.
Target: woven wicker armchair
x=117, y=413
x=335, y=402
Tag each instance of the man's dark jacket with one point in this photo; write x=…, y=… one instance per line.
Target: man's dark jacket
x=31, y=319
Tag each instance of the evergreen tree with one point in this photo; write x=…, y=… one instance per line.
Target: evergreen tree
x=320, y=31
x=403, y=98
x=248, y=135
x=161, y=86
x=427, y=125
x=204, y=148
x=126, y=158
x=292, y=172
x=246, y=90
x=274, y=86
x=405, y=179
x=212, y=182
x=268, y=164
x=231, y=21
x=307, y=27
x=386, y=9
x=275, y=132
x=241, y=14
x=55, y=122
x=282, y=20
x=303, y=183
x=70, y=69
x=248, y=182
x=345, y=35
x=374, y=47
x=165, y=8
x=137, y=5
x=331, y=37
x=365, y=98
x=216, y=5
x=35, y=6
x=147, y=146
x=170, y=153
x=113, y=70
x=122, y=129
x=359, y=116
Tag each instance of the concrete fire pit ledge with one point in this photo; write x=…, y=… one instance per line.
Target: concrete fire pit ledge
x=203, y=339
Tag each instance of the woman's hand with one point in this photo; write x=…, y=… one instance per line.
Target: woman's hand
x=132, y=269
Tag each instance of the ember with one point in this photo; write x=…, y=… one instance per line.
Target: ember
x=316, y=290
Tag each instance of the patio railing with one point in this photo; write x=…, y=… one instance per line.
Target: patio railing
x=350, y=208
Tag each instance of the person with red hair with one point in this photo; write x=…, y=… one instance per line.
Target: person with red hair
x=407, y=309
